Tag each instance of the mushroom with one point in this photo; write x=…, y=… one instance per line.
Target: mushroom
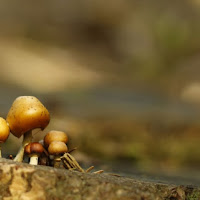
x=57, y=149
x=55, y=136
x=4, y=132
x=34, y=150
x=27, y=113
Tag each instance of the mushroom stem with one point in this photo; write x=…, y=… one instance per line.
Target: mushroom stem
x=0, y=151
x=34, y=159
x=26, y=140
x=56, y=161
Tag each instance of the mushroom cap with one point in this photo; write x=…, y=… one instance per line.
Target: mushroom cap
x=55, y=136
x=4, y=130
x=27, y=113
x=34, y=148
x=57, y=148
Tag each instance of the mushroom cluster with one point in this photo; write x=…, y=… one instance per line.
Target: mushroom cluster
x=26, y=114
x=55, y=142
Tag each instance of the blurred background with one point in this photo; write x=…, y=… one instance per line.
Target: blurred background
x=121, y=77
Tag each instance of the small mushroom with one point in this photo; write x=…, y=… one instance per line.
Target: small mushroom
x=4, y=132
x=34, y=150
x=55, y=136
x=27, y=113
x=57, y=149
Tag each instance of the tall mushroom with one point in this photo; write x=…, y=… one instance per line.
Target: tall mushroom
x=4, y=132
x=27, y=113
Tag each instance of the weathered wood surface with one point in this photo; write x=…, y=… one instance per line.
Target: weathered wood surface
x=19, y=181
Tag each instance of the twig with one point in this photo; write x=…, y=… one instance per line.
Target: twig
x=89, y=169
x=70, y=163
x=98, y=172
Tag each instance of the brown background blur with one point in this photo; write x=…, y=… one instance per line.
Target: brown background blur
x=121, y=77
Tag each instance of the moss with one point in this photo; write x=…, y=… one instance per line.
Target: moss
x=195, y=195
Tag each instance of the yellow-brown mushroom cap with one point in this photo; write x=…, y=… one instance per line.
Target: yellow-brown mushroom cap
x=57, y=148
x=4, y=130
x=55, y=136
x=27, y=113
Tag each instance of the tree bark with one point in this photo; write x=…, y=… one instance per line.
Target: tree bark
x=20, y=181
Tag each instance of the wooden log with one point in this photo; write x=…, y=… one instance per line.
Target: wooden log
x=20, y=181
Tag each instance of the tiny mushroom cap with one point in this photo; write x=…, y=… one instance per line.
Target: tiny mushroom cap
x=55, y=136
x=57, y=148
x=27, y=113
x=36, y=148
x=4, y=130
